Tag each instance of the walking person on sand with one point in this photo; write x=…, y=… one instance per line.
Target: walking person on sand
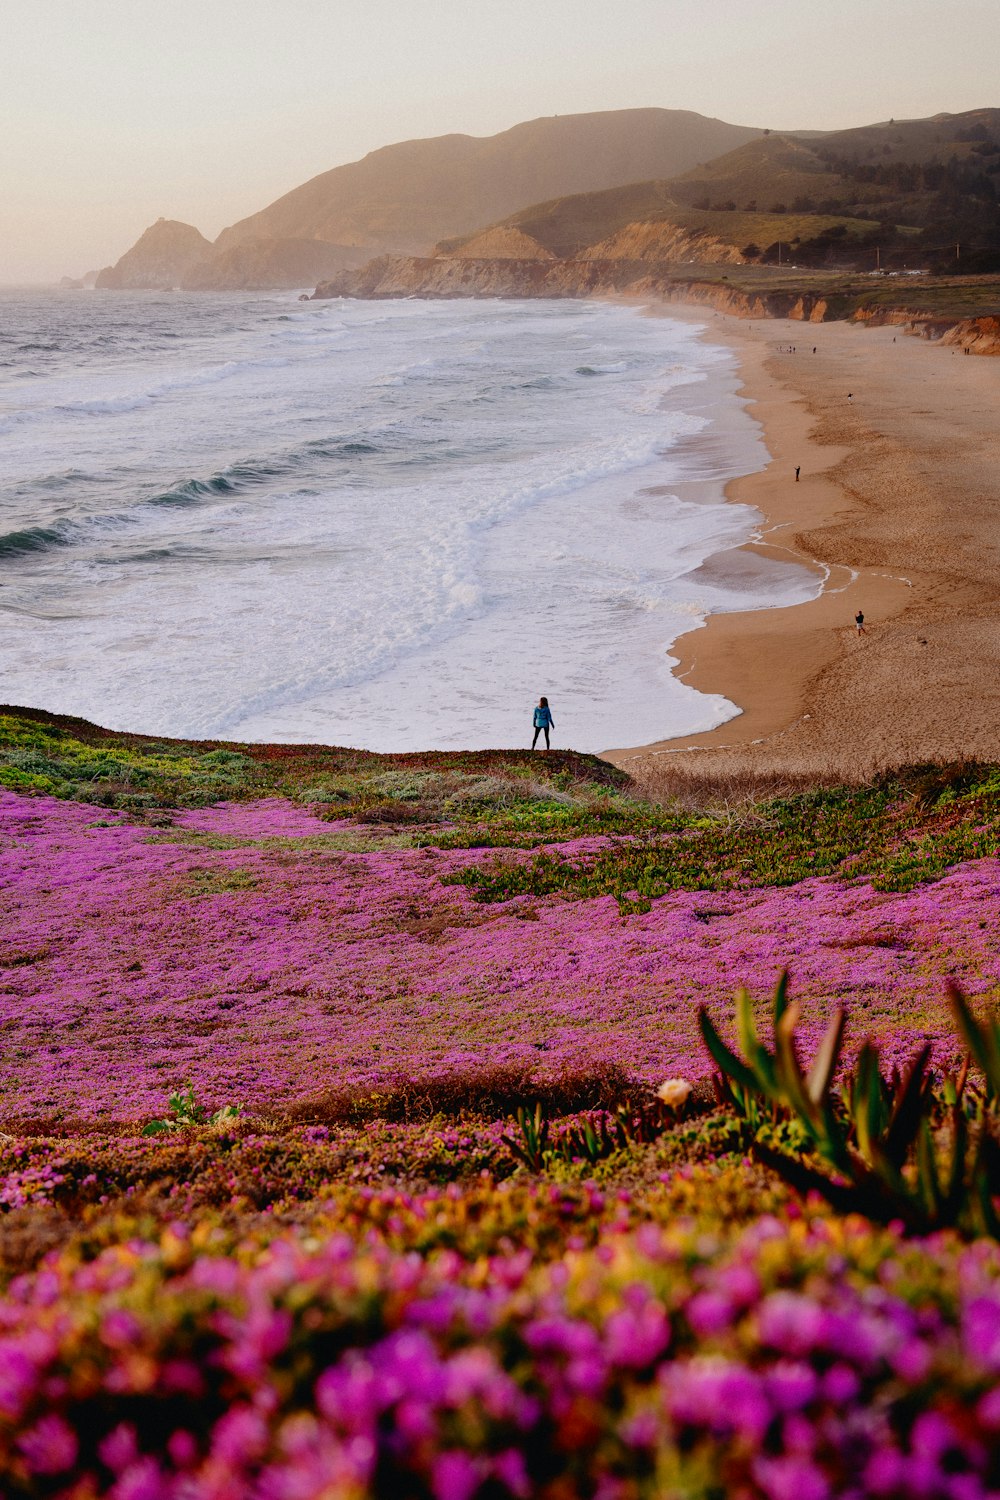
x=543, y=720
x=859, y=621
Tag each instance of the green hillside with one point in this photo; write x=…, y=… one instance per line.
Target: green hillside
x=777, y=169
x=941, y=138
x=896, y=195
x=568, y=225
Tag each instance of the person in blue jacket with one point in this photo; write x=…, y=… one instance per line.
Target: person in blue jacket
x=543, y=720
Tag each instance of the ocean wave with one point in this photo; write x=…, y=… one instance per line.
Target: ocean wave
x=105, y=405
x=341, y=447
x=110, y=405
x=37, y=539
x=328, y=536
x=193, y=491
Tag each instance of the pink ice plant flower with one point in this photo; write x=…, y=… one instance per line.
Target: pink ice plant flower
x=784, y=1405
x=270, y=972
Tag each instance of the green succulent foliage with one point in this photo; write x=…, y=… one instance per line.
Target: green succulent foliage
x=187, y=1114
x=533, y=1146
x=591, y=1138
x=982, y=1038
x=892, y=1149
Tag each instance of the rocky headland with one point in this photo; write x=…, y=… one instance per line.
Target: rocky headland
x=159, y=260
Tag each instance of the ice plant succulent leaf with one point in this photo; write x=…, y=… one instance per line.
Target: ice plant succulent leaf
x=824, y=1064
x=981, y=1038
x=732, y=1066
x=907, y=1109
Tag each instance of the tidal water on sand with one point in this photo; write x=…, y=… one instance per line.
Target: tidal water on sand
x=383, y=524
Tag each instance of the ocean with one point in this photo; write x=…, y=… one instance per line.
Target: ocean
x=382, y=524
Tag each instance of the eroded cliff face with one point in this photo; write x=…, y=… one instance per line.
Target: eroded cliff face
x=442, y=276
x=977, y=335
x=664, y=242
x=416, y=276
x=590, y=276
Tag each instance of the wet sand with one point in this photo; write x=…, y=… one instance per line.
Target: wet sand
x=898, y=505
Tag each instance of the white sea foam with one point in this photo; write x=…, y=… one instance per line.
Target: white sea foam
x=383, y=524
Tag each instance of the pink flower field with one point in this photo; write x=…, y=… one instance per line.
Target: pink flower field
x=328, y=1269
x=279, y=968
x=269, y=971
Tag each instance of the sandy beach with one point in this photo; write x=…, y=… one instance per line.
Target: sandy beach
x=898, y=504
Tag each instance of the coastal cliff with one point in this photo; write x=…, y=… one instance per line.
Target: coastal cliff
x=978, y=335
x=659, y=243
x=452, y=276
x=587, y=275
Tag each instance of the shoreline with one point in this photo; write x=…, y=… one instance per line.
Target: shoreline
x=876, y=511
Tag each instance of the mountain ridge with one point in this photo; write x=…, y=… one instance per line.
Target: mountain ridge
x=907, y=191
x=404, y=197
x=536, y=159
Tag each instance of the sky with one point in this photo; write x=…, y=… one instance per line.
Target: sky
x=115, y=112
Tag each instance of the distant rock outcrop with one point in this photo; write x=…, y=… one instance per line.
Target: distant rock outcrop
x=159, y=259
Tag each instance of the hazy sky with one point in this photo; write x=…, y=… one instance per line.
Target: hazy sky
x=113, y=112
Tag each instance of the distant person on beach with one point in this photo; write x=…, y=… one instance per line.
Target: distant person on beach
x=798, y=471
x=859, y=621
x=850, y=397
x=543, y=720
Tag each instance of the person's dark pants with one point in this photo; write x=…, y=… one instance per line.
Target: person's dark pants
x=537, y=733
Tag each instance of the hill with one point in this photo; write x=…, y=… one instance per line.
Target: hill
x=564, y=226
x=406, y=196
x=898, y=194
x=409, y=195
x=939, y=138
x=775, y=169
